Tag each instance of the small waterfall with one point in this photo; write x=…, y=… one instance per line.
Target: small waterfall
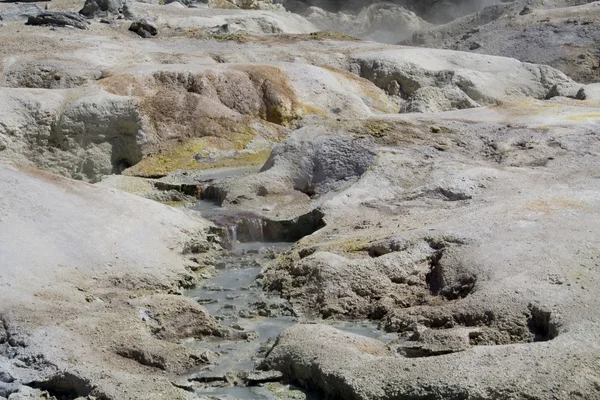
x=232, y=233
x=247, y=227
x=243, y=228
x=255, y=228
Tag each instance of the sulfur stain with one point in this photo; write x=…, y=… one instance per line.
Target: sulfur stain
x=549, y=206
x=194, y=154
x=584, y=117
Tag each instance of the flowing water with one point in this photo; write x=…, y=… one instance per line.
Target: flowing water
x=233, y=298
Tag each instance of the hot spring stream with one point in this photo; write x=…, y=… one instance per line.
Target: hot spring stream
x=236, y=301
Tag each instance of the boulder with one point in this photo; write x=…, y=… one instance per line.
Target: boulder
x=433, y=99
x=144, y=28
x=589, y=92
x=105, y=8
x=21, y=12
x=59, y=19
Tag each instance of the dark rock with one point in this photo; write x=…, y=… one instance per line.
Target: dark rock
x=5, y=377
x=526, y=10
x=206, y=301
x=105, y=8
x=183, y=384
x=6, y=389
x=220, y=29
x=208, y=377
x=59, y=19
x=554, y=92
x=144, y=28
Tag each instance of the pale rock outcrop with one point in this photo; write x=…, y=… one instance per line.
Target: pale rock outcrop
x=251, y=21
x=457, y=243
x=20, y=12
x=433, y=99
x=80, y=266
x=97, y=134
x=484, y=79
x=49, y=74
x=382, y=22
x=589, y=92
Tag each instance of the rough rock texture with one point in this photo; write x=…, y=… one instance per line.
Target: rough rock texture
x=115, y=130
x=104, y=8
x=144, y=28
x=434, y=11
x=450, y=198
x=86, y=137
x=382, y=22
x=484, y=79
x=349, y=366
x=197, y=99
x=49, y=74
x=433, y=99
x=589, y=92
x=565, y=38
x=82, y=271
x=58, y=19
x=246, y=4
x=457, y=242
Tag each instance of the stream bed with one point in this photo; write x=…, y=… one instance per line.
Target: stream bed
x=233, y=297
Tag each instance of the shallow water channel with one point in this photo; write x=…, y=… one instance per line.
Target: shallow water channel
x=234, y=298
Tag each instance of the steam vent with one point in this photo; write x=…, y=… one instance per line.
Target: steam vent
x=299, y=200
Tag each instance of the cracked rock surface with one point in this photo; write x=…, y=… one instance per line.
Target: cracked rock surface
x=447, y=194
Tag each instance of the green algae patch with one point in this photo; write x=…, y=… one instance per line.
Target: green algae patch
x=349, y=245
x=377, y=128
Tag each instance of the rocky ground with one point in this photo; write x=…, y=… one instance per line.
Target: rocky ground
x=567, y=38
x=445, y=190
